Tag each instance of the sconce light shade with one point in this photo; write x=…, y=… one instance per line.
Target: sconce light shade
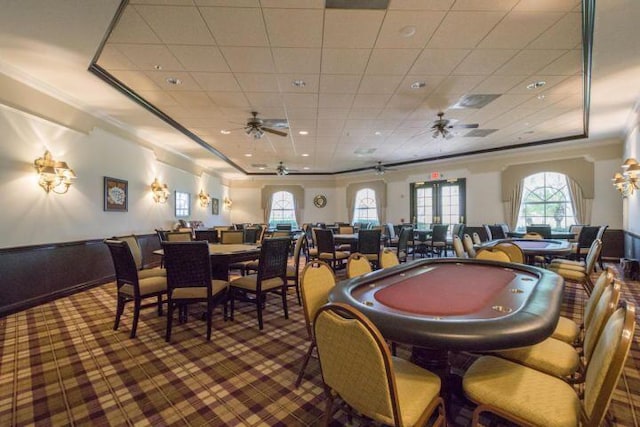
x=54, y=175
x=627, y=181
x=228, y=202
x=204, y=198
x=160, y=191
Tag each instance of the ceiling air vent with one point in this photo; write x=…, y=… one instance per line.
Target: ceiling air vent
x=356, y=4
x=479, y=133
x=364, y=151
x=474, y=101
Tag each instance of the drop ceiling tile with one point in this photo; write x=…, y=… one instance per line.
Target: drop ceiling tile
x=158, y=98
x=497, y=84
x=230, y=3
x=564, y=34
x=406, y=101
x=167, y=2
x=191, y=99
x=200, y=58
x=176, y=24
x=135, y=80
x=421, y=4
x=370, y=101
x=364, y=113
x=476, y=5
x=464, y=29
x=216, y=81
x=297, y=125
x=391, y=61
x=112, y=59
x=306, y=113
x=568, y=64
x=263, y=100
x=569, y=86
x=379, y=84
x=344, y=61
x=438, y=61
x=132, y=28
x=248, y=59
x=257, y=82
x=339, y=83
x=302, y=4
x=351, y=28
x=232, y=26
x=330, y=113
x=294, y=27
x=297, y=60
x=160, y=79
x=484, y=61
x=518, y=29
x=546, y=5
x=529, y=61
x=147, y=57
x=399, y=24
x=311, y=82
x=300, y=100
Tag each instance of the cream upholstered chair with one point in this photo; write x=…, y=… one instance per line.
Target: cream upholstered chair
x=130, y=286
x=134, y=246
x=458, y=248
x=316, y=281
x=357, y=265
x=468, y=243
x=369, y=245
x=513, y=250
x=357, y=366
x=491, y=254
x=179, y=236
x=388, y=258
x=576, y=271
x=557, y=358
x=327, y=249
x=189, y=281
x=232, y=237
x=528, y=397
x=569, y=331
x=476, y=238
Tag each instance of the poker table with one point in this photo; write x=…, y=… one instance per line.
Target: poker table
x=534, y=247
x=458, y=304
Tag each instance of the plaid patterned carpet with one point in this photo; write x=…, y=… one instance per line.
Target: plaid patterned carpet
x=62, y=364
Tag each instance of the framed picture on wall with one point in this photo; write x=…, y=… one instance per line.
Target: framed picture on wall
x=183, y=204
x=215, y=206
x=116, y=194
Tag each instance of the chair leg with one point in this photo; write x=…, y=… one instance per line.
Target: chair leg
x=328, y=410
x=159, y=305
x=170, y=307
x=232, y=302
x=305, y=362
x=136, y=315
x=119, y=310
x=284, y=302
x=259, y=298
x=209, y=310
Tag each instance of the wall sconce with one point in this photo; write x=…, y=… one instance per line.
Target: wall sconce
x=228, y=202
x=627, y=181
x=205, y=199
x=55, y=176
x=160, y=191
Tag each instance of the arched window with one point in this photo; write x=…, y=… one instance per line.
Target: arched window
x=365, y=211
x=546, y=200
x=282, y=210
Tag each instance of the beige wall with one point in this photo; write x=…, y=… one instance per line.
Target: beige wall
x=632, y=149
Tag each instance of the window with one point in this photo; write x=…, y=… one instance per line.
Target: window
x=282, y=210
x=438, y=202
x=183, y=204
x=546, y=200
x=365, y=210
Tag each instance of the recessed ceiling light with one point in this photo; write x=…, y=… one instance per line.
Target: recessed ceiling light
x=303, y=132
x=225, y=132
x=408, y=31
x=377, y=132
x=536, y=85
x=261, y=168
x=248, y=155
x=174, y=81
x=305, y=155
x=541, y=97
x=418, y=85
x=298, y=83
x=157, y=67
x=306, y=168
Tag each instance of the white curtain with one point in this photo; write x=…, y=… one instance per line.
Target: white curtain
x=581, y=205
x=380, y=190
x=298, y=199
x=512, y=206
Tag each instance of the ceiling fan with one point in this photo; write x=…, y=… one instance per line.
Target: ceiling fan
x=381, y=169
x=281, y=170
x=444, y=127
x=256, y=127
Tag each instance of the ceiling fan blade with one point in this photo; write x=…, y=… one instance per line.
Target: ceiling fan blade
x=274, y=131
x=449, y=135
x=468, y=126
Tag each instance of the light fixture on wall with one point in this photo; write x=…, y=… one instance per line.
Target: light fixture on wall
x=54, y=175
x=228, y=202
x=160, y=191
x=205, y=199
x=627, y=181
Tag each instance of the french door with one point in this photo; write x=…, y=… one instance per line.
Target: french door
x=438, y=202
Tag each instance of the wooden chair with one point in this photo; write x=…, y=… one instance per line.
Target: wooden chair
x=136, y=251
x=358, y=367
x=528, y=397
x=588, y=234
x=388, y=258
x=327, y=249
x=179, y=236
x=271, y=277
x=369, y=245
x=491, y=254
x=293, y=271
x=357, y=265
x=438, y=241
x=232, y=237
x=476, y=238
x=543, y=230
x=210, y=236
x=468, y=245
x=456, y=230
x=130, y=287
x=316, y=282
x=402, y=249
x=458, y=248
x=189, y=281
x=577, y=271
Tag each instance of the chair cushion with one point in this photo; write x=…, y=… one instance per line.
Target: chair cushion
x=151, y=272
x=567, y=262
x=328, y=255
x=524, y=392
x=251, y=283
x=372, y=257
x=199, y=292
x=148, y=286
x=417, y=388
x=572, y=275
x=566, y=330
x=550, y=356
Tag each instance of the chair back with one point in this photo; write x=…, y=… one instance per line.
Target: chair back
x=543, y=230
x=325, y=241
x=342, y=330
x=587, y=235
x=601, y=231
x=229, y=237
x=439, y=233
x=532, y=235
x=124, y=265
x=605, y=279
x=492, y=255
x=457, y=230
x=458, y=248
x=283, y=227
x=592, y=256
x=476, y=238
x=357, y=265
x=605, y=307
x=391, y=231
x=607, y=362
x=345, y=229
x=575, y=230
x=468, y=245
x=188, y=265
x=210, y=236
x=134, y=246
x=162, y=234
x=369, y=241
x=179, y=236
x=274, y=254
x=388, y=258
x=512, y=250
x=406, y=233
x=318, y=279
x=281, y=233
x=297, y=251
x=251, y=234
x=497, y=232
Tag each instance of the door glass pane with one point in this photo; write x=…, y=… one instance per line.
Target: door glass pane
x=450, y=204
x=424, y=207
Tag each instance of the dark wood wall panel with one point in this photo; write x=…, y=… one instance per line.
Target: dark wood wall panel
x=30, y=275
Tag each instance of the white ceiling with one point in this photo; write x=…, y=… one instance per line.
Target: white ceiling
x=234, y=57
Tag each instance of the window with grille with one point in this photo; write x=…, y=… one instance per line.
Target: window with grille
x=282, y=210
x=546, y=200
x=365, y=210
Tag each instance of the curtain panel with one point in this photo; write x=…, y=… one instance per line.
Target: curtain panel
x=581, y=205
x=380, y=190
x=298, y=199
x=512, y=206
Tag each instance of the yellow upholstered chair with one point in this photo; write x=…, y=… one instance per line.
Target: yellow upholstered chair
x=458, y=248
x=316, y=281
x=357, y=265
x=468, y=243
x=532, y=235
x=134, y=246
x=529, y=397
x=357, y=366
x=576, y=271
x=512, y=250
x=476, y=238
x=491, y=254
x=388, y=258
